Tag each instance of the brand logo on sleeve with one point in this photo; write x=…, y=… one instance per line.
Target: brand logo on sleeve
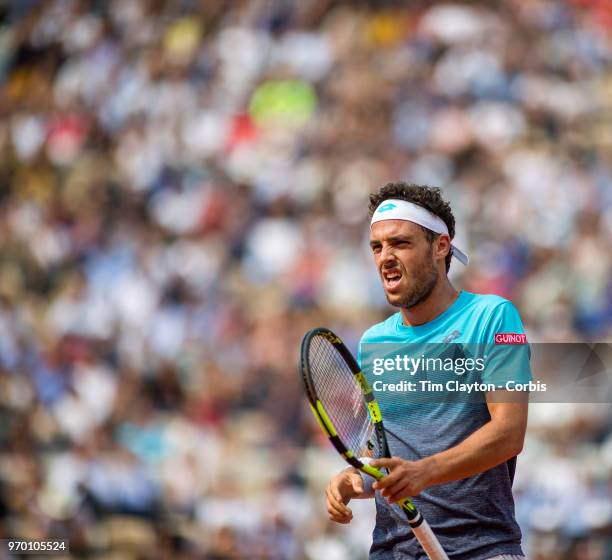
x=510, y=338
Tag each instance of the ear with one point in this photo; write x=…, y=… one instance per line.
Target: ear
x=442, y=246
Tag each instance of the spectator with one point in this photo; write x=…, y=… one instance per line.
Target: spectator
x=183, y=195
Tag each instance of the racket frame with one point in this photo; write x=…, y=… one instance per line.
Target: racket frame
x=326, y=424
x=420, y=527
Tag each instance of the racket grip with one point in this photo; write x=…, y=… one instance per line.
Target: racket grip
x=421, y=529
x=429, y=541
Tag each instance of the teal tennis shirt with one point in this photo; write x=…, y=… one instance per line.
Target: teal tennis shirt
x=474, y=517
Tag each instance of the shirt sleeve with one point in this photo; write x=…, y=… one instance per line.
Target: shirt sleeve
x=506, y=350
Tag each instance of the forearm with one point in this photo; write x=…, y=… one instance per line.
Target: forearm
x=491, y=445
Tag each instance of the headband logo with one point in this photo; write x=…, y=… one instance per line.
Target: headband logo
x=386, y=207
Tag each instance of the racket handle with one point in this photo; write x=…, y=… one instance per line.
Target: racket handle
x=429, y=541
x=422, y=531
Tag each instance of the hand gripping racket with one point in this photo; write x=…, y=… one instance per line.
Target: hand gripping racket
x=343, y=403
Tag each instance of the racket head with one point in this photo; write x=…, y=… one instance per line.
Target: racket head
x=332, y=379
x=341, y=398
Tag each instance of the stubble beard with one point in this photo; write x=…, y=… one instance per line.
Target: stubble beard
x=425, y=280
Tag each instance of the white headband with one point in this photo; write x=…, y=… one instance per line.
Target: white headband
x=394, y=209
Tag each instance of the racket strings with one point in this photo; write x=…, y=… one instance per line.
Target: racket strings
x=341, y=397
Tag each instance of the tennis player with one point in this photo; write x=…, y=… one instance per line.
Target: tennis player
x=456, y=460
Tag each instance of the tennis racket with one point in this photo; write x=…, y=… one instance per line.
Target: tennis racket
x=344, y=404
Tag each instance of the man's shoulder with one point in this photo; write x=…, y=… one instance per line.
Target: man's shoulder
x=492, y=314
x=487, y=302
x=380, y=331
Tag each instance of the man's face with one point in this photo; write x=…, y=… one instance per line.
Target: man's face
x=405, y=261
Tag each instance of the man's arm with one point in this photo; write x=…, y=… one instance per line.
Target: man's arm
x=497, y=441
x=342, y=488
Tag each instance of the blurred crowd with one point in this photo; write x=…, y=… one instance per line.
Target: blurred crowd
x=183, y=193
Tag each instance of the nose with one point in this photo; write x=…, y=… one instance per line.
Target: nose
x=387, y=256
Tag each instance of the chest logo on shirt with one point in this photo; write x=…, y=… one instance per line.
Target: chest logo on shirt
x=510, y=338
x=452, y=336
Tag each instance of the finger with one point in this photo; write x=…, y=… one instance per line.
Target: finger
x=398, y=492
x=335, y=500
x=406, y=492
x=341, y=519
x=337, y=514
x=357, y=483
x=402, y=489
x=335, y=510
x=340, y=501
x=388, y=480
x=394, y=486
x=384, y=463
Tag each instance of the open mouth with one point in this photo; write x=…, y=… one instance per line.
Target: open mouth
x=391, y=279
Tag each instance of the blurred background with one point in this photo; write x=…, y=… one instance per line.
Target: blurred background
x=183, y=193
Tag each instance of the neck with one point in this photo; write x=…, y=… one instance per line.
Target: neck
x=440, y=299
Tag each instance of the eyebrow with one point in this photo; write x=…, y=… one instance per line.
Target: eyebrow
x=392, y=239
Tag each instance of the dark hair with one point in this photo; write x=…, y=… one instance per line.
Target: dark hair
x=427, y=197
